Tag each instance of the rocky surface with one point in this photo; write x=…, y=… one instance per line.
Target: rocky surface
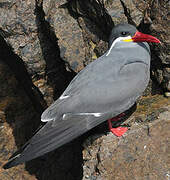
x=17, y=113
x=48, y=43
x=140, y=154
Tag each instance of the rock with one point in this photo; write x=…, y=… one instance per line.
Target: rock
x=149, y=17
x=87, y=39
x=140, y=154
x=161, y=53
x=18, y=120
x=155, y=22
x=53, y=41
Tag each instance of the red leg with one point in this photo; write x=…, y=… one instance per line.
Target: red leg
x=119, y=131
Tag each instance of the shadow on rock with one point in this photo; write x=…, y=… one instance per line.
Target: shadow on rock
x=16, y=65
x=95, y=15
x=95, y=24
x=58, y=77
x=65, y=162
x=156, y=63
x=20, y=100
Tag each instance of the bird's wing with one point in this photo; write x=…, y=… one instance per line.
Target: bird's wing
x=95, y=93
x=133, y=79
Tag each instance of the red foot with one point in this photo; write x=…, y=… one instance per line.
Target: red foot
x=119, y=131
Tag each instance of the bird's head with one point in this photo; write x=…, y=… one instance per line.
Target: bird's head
x=129, y=33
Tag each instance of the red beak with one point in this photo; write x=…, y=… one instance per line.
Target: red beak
x=140, y=37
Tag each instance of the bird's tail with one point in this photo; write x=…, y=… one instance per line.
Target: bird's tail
x=14, y=159
x=12, y=162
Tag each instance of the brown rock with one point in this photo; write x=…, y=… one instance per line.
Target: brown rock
x=18, y=120
x=137, y=155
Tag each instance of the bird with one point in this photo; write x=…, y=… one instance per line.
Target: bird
x=104, y=89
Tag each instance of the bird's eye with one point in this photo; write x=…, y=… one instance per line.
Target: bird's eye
x=124, y=33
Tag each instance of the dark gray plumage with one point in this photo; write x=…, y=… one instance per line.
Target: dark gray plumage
x=105, y=88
